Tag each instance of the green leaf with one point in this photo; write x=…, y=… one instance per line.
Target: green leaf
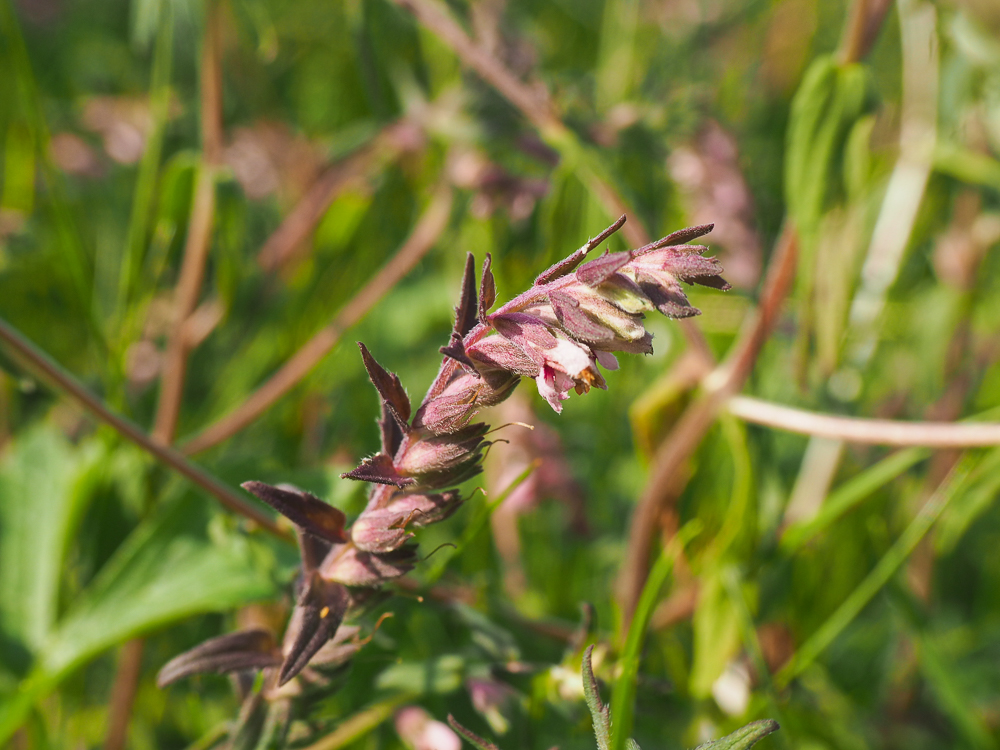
x=942, y=674
x=441, y=675
x=39, y=508
x=168, y=569
x=884, y=570
x=850, y=494
x=716, y=633
x=165, y=571
x=970, y=505
x=623, y=698
x=598, y=711
x=744, y=737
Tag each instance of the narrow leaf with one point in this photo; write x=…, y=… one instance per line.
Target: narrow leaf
x=465, y=313
x=680, y=237
x=318, y=613
x=390, y=433
x=312, y=549
x=388, y=387
x=598, y=711
x=623, y=697
x=303, y=509
x=246, y=649
x=487, y=289
x=569, y=263
x=744, y=737
x=471, y=737
x=380, y=470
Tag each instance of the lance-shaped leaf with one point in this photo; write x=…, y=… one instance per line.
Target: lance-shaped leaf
x=303, y=509
x=487, y=289
x=233, y=652
x=600, y=269
x=576, y=322
x=567, y=264
x=598, y=711
x=743, y=738
x=317, y=615
x=680, y=237
x=388, y=387
x=378, y=469
x=465, y=313
x=471, y=737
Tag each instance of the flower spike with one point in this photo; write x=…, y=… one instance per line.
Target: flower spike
x=559, y=333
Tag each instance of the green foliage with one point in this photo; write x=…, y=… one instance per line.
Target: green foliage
x=850, y=592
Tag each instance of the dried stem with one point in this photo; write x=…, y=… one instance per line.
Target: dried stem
x=123, y=693
x=199, y=233
x=179, y=343
x=534, y=102
x=667, y=478
x=864, y=22
x=303, y=219
x=39, y=362
x=425, y=234
x=868, y=431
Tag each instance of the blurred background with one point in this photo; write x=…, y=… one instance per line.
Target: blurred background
x=203, y=205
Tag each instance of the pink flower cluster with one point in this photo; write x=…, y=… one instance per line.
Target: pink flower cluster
x=570, y=322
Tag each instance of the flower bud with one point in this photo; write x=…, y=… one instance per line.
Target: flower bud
x=463, y=398
x=354, y=567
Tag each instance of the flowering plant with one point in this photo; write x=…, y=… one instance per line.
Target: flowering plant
x=559, y=332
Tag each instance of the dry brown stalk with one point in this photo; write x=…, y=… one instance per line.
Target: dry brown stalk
x=199, y=235
x=42, y=365
x=534, y=102
x=667, y=478
x=677, y=607
x=390, y=142
x=869, y=431
x=423, y=237
x=173, y=375
x=864, y=21
x=123, y=693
